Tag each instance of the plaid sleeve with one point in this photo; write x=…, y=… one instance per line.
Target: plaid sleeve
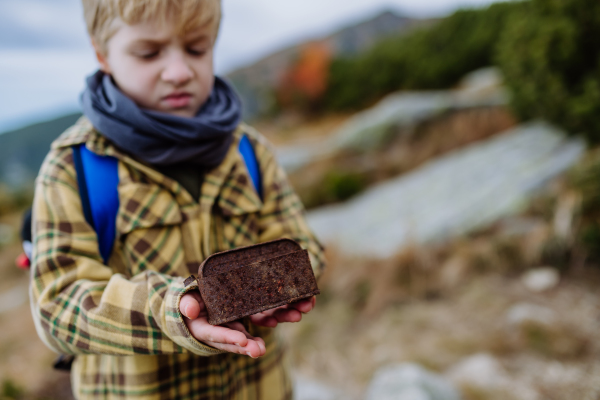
x=282, y=214
x=79, y=305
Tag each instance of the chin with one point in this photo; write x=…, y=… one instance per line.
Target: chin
x=181, y=113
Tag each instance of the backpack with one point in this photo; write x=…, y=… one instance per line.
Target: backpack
x=98, y=178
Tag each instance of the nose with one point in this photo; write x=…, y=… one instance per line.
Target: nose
x=177, y=71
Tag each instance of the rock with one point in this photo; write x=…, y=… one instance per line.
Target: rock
x=566, y=209
x=481, y=371
x=541, y=279
x=409, y=382
x=307, y=389
x=526, y=312
x=397, y=112
x=483, y=374
x=482, y=80
x=451, y=195
x=296, y=156
x=369, y=129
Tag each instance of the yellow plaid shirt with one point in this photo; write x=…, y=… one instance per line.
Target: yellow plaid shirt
x=122, y=321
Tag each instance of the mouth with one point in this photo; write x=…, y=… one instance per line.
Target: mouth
x=178, y=99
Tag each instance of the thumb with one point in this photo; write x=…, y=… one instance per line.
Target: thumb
x=189, y=306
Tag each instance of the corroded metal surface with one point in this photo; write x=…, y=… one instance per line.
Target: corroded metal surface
x=268, y=276
x=231, y=259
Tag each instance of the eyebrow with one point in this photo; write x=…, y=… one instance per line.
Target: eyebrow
x=152, y=42
x=197, y=38
x=158, y=42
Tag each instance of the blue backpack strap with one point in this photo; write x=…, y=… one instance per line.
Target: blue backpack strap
x=249, y=157
x=98, y=178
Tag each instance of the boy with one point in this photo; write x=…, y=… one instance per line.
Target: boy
x=184, y=193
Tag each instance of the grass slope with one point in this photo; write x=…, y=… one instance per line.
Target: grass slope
x=23, y=150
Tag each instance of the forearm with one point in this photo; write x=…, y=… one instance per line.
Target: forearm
x=114, y=316
x=77, y=313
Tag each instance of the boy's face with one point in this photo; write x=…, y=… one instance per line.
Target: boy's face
x=159, y=70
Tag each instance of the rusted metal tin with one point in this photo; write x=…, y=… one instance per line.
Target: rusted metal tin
x=248, y=280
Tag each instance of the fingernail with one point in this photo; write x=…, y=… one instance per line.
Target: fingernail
x=185, y=312
x=250, y=355
x=237, y=344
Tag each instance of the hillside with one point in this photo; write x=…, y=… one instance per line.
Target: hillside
x=23, y=150
x=256, y=83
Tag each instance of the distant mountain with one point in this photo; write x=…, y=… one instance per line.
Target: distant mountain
x=23, y=150
x=256, y=83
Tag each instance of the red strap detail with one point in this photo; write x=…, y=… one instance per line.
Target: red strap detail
x=22, y=261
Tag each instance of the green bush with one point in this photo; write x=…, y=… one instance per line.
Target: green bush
x=10, y=390
x=336, y=186
x=584, y=179
x=430, y=58
x=550, y=56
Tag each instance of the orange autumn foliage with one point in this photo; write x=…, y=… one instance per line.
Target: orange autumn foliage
x=306, y=79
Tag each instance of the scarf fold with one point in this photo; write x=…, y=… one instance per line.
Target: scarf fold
x=158, y=138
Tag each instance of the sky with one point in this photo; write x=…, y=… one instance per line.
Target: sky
x=45, y=53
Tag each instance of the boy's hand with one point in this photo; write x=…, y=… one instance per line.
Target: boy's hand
x=231, y=337
x=289, y=313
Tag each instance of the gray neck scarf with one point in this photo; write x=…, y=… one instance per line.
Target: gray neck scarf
x=159, y=138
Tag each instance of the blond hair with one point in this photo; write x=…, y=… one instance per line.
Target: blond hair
x=101, y=16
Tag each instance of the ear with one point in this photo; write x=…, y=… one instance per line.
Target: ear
x=101, y=57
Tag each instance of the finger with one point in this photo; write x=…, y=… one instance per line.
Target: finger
x=263, y=320
x=255, y=347
x=189, y=306
x=203, y=331
x=305, y=305
x=269, y=313
x=252, y=349
x=198, y=298
x=287, y=315
x=237, y=325
x=240, y=327
x=261, y=344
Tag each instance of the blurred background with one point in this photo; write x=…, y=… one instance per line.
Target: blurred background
x=446, y=152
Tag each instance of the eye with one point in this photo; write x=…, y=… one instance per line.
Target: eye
x=196, y=51
x=147, y=55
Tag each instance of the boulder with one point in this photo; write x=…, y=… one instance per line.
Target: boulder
x=541, y=279
x=482, y=80
x=397, y=113
x=409, y=382
x=483, y=374
x=449, y=196
x=308, y=389
x=481, y=371
x=522, y=313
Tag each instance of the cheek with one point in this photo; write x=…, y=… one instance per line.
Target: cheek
x=137, y=81
x=207, y=79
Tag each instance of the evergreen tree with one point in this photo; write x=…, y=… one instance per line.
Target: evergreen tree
x=550, y=56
